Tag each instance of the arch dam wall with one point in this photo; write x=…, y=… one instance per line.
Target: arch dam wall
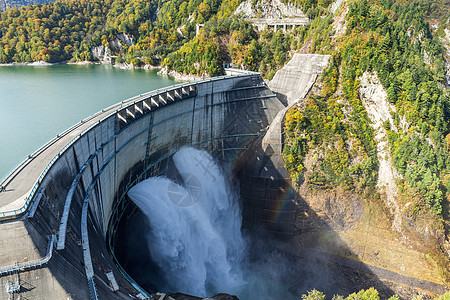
x=57, y=244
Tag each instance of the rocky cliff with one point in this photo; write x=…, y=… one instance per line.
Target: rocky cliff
x=446, y=41
x=101, y=53
x=374, y=98
x=270, y=9
x=104, y=53
x=372, y=226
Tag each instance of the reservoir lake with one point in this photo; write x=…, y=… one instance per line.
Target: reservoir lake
x=39, y=102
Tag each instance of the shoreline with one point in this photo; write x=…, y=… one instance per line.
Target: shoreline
x=123, y=66
x=180, y=76
x=34, y=63
x=163, y=71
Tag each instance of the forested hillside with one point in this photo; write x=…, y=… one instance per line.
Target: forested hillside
x=67, y=30
x=401, y=45
x=390, y=39
x=163, y=32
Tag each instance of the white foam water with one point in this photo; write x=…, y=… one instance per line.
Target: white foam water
x=195, y=234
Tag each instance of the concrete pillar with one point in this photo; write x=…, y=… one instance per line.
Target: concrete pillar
x=147, y=104
x=163, y=98
x=179, y=93
x=138, y=108
x=155, y=101
x=192, y=90
x=184, y=92
x=197, y=28
x=171, y=96
x=130, y=112
x=284, y=28
x=122, y=115
x=275, y=28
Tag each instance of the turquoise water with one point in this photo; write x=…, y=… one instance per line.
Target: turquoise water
x=38, y=102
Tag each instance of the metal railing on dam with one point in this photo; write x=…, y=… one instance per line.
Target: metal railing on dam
x=126, y=110
x=76, y=185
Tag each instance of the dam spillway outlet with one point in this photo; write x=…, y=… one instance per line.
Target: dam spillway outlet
x=186, y=235
x=194, y=234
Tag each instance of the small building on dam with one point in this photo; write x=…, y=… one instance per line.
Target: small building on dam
x=61, y=210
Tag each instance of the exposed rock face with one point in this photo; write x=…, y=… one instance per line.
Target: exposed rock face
x=335, y=5
x=126, y=39
x=121, y=38
x=374, y=98
x=101, y=53
x=179, y=76
x=124, y=66
x=115, y=44
x=271, y=9
x=447, y=46
x=427, y=58
x=333, y=208
x=340, y=21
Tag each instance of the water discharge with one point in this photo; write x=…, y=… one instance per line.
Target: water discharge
x=197, y=238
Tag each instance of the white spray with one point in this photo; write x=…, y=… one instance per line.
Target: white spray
x=196, y=227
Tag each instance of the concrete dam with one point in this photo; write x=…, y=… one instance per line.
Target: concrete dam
x=61, y=209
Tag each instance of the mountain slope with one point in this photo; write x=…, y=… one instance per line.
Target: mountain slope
x=393, y=146
x=376, y=125
x=4, y=4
